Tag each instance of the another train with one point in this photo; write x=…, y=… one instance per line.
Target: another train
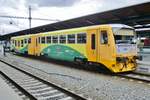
x=111, y=45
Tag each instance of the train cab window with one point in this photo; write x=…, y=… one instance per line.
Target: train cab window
x=93, y=41
x=81, y=38
x=62, y=39
x=43, y=40
x=21, y=43
x=55, y=39
x=48, y=39
x=29, y=40
x=104, y=37
x=71, y=38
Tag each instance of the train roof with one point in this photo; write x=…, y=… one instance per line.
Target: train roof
x=22, y=36
x=120, y=26
x=78, y=29
x=90, y=27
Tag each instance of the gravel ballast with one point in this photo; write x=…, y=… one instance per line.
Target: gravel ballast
x=92, y=84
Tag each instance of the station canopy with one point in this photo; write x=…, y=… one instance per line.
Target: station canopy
x=131, y=15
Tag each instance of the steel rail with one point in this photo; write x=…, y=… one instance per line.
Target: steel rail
x=70, y=93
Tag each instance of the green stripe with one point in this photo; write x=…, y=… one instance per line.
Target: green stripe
x=62, y=52
x=24, y=49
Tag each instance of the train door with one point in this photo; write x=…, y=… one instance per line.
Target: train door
x=91, y=45
x=104, y=47
x=37, y=45
x=31, y=43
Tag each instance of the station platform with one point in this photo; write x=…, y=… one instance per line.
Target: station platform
x=6, y=92
x=143, y=67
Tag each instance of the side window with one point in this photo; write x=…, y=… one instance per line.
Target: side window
x=21, y=43
x=29, y=40
x=43, y=40
x=25, y=41
x=39, y=40
x=62, y=39
x=81, y=38
x=71, y=38
x=12, y=41
x=15, y=43
x=93, y=41
x=104, y=37
x=48, y=39
x=18, y=43
x=55, y=39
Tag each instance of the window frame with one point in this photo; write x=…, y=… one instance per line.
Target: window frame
x=105, y=39
x=15, y=43
x=22, y=43
x=62, y=40
x=29, y=40
x=49, y=39
x=18, y=43
x=25, y=41
x=43, y=40
x=93, y=41
x=53, y=39
x=79, y=39
x=68, y=41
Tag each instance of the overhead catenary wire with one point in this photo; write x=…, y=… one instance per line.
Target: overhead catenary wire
x=20, y=17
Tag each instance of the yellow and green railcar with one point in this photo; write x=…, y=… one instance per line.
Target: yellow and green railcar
x=111, y=45
x=20, y=44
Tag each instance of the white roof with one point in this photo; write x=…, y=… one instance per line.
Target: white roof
x=120, y=26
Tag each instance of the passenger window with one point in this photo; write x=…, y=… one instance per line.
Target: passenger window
x=93, y=41
x=18, y=43
x=25, y=41
x=15, y=43
x=39, y=40
x=104, y=37
x=62, y=39
x=48, y=39
x=43, y=40
x=29, y=40
x=21, y=43
x=81, y=38
x=71, y=38
x=55, y=39
x=12, y=41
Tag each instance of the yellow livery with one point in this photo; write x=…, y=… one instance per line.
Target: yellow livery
x=111, y=45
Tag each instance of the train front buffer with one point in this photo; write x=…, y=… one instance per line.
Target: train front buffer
x=126, y=58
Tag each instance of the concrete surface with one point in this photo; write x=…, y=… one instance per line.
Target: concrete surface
x=144, y=65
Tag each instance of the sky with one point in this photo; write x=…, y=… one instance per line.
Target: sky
x=52, y=9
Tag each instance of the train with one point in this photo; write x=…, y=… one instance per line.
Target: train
x=110, y=45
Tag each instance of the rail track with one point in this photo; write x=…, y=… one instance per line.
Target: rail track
x=33, y=87
x=18, y=90
x=136, y=76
